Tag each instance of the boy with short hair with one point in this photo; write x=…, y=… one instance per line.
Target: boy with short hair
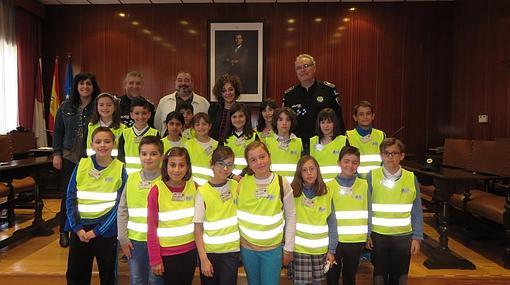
x=186, y=109
x=366, y=138
x=131, y=137
x=132, y=212
x=350, y=201
x=395, y=215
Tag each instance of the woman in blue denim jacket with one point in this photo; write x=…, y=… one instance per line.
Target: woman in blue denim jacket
x=72, y=118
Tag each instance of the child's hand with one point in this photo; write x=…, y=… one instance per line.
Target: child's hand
x=126, y=249
x=158, y=269
x=206, y=268
x=287, y=257
x=82, y=235
x=331, y=258
x=370, y=244
x=90, y=234
x=415, y=246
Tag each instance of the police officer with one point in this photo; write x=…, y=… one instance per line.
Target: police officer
x=309, y=97
x=133, y=84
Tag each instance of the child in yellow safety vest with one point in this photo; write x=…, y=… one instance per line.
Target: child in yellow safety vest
x=174, y=123
x=93, y=195
x=328, y=142
x=395, y=215
x=285, y=148
x=316, y=237
x=216, y=229
x=131, y=137
x=170, y=209
x=132, y=212
x=265, y=204
x=241, y=134
x=365, y=137
x=105, y=114
x=350, y=201
x=200, y=148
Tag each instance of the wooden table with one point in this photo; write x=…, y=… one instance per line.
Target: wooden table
x=37, y=167
x=447, y=181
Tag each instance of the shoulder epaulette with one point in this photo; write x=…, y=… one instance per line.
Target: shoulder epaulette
x=329, y=84
x=290, y=89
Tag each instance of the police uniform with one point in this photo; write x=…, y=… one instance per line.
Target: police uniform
x=308, y=103
x=125, y=109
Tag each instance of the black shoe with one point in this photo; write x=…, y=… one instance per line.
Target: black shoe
x=64, y=239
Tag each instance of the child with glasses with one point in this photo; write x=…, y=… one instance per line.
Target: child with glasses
x=216, y=229
x=365, y=137
x=395, y=216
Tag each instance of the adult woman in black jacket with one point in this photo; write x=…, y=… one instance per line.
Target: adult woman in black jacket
x=226, y=90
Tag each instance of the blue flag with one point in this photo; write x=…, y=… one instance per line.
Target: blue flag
x=69, y=78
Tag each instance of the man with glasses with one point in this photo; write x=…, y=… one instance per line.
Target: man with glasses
x=309, y=97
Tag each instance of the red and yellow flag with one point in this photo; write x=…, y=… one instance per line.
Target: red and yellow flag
x=55, y=98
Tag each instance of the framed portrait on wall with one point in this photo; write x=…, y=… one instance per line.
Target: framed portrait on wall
x=237, y=48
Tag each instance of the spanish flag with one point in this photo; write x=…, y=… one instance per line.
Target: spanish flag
x=55, y=99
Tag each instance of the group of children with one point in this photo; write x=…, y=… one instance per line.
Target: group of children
x=253, y=197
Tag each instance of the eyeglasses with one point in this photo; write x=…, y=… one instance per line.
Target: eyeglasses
x=224, y=164
x=390, y=154
x=304, y=66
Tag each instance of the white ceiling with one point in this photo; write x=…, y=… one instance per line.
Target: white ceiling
x=103, y=2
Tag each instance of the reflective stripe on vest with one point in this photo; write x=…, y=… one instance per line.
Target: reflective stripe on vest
x=221, y=232
x=370, y=158
x=136, y=199
x=117, y=132
x=200, y=160
x=351, y=210
x=392, y=203
x=260, y=219
x=327, y=155
x=97, y=196
x=311, y=223
x=238, y=147
x=175, y=225
x=284, y=161
x=131, y=143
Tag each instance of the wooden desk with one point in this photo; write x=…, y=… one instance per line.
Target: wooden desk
x=37, y=167
x=447, y=181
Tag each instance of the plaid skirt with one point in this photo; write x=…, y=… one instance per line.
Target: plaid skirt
x=308, y=268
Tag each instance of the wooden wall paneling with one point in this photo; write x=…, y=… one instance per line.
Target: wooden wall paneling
x=93, y=39
x=116, y=48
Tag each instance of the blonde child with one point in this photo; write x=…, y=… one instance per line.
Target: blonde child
x=365, y=137
x=316, y=234
x=328, y=142
x=201, y=148
x=174, y=124
x=216, y=229
x=132, y=212
x=350, y=200
x=93, y=195
x=265, y=203
x=170, y=206
x=284, y=146
x=241, y=134
x=106, y=114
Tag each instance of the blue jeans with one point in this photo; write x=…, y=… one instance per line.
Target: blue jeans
x=262, y=267
x=139, y=266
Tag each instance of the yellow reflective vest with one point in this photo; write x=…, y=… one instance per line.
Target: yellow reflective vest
x=327, y=155
x=137, y=190
x=351, y=210
x=311, y=223
x=131, y=143
x=392, y=202
x=369, y=149
x=284, y=160
x=200, y=160
x=176, y=210
x=238, y=145
x=167, y=145
x=117, y=132
x=97, y=190
x=221, y=232
x=259, y=212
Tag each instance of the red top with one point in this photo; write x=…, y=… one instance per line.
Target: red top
x=155, y=250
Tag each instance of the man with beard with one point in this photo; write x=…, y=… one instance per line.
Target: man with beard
x=133, y=85
x=184, y=93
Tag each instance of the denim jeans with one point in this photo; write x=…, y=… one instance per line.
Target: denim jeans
x=139, y=266
x=262, y=267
